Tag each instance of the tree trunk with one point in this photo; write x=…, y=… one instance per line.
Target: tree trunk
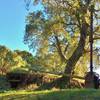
x=77, y=53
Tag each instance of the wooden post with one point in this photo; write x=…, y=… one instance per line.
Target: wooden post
x=89, y=78
x=91, y=38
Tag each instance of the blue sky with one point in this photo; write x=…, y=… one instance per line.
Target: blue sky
x=12, y=23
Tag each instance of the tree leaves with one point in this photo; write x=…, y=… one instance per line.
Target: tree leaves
x=66, y=19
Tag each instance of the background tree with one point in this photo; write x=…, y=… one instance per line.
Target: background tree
x=9, y=60
x=31, y=62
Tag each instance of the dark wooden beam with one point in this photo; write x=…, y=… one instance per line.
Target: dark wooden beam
x=91, y=38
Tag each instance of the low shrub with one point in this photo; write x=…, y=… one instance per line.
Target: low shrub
x=40, y=81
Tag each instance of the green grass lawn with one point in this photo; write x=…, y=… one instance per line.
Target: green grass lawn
x=68, y=94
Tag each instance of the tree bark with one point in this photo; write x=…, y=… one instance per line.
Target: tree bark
x=77, y=53
x=59, y=49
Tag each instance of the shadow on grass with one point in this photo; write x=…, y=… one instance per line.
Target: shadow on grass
x=4, y=84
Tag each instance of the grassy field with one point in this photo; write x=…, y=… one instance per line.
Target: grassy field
x=69, y=94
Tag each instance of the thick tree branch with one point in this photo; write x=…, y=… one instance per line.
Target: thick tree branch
x=96, y=38
x=66, y=48
x=59, y=48
x=78, y=51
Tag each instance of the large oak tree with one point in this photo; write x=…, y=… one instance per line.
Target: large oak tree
x=62, y=27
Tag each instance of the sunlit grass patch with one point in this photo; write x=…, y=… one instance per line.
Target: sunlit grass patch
x=21, y=92
x=68, y=94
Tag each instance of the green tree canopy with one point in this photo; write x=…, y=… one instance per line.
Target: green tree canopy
x=62, y=27
x=9, y=60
